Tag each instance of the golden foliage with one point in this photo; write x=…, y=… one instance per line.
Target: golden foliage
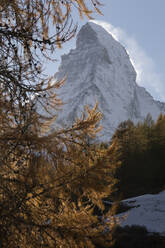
x=50, y=181
x=50, y=184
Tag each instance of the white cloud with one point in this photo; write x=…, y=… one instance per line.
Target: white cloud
x=143, y=64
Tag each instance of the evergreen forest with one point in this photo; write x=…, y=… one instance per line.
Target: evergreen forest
x=138, y=150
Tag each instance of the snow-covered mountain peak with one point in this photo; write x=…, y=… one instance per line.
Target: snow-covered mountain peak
x=99, y=69
x=93, y=35
x=86, y=36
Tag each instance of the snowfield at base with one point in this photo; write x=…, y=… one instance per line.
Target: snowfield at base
x=148, y=211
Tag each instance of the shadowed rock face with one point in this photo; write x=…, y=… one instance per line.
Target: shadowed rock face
x=99, y=69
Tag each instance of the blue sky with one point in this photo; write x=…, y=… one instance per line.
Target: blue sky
x=139, y=25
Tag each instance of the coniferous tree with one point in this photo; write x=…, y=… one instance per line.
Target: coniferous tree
x=49, y=181
x=138, y=153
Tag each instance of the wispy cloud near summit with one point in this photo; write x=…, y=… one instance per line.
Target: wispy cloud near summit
x=143, y=64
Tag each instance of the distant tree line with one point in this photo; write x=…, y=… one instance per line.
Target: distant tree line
x=138, y=153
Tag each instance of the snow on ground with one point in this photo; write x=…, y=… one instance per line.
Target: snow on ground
x=148, y=210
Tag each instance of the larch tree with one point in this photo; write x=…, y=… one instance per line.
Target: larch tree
x=49, y=181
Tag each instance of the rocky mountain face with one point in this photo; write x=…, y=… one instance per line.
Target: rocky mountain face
x=99, y=69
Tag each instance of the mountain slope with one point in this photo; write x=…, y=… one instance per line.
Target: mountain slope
x=99, y=69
